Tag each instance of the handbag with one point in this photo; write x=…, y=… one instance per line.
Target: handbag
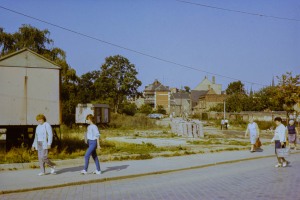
x=283, y=152
x=258, y=143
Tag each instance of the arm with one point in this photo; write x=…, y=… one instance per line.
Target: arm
x=97, y=135
x=98, y=143
x=282, y=134
x=257, y=130
x=49, y=135
x=34, y=144
x=246, y=132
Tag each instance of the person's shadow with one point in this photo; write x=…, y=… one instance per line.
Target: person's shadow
x=70, y=169
x=79, y=168
x=115, y=168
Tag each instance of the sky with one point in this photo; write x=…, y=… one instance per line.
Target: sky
x=176, y=42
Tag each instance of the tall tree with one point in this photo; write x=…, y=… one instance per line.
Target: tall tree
x=86, y=87
x=236, y=97
x=288, y=93
x=236, y=87
x=118, y=80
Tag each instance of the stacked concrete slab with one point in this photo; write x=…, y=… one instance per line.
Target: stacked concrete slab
x=192, y=129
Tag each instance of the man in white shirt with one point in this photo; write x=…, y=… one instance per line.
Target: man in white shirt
x=280, y=141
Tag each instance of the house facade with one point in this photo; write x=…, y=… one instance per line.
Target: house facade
x=206, y=95
x=156, y=94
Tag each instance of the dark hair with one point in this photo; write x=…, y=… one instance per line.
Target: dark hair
x=90, y=117
x=278, y=119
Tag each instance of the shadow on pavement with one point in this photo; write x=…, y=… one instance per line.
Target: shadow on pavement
x=115, y=168
x=70, y=169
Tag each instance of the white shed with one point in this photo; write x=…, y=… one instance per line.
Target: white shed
x=101, y=113
x=29, y=85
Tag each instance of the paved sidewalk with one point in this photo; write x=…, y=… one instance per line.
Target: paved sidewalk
x=26, y=180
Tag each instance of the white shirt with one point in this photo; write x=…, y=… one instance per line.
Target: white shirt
x=280, y=133
x=92, y=132
x=42, y=130
x=43, y=133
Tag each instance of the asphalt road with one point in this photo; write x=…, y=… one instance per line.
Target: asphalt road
x=254, y=179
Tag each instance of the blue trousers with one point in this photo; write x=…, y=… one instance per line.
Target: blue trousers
x=91, y=151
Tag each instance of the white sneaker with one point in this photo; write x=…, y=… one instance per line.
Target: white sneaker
x=83, y=172
x=52, y=170
x=41, y=174
x=284, y=164
x=278, y=165
x=97, y=172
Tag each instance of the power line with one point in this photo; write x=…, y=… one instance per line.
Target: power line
x=238, y=11
x=125, y=48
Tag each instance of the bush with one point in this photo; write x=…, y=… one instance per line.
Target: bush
x=129, y=109
x=146, y=109
x=139, y=121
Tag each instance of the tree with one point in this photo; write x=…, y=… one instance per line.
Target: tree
x=265, y=99
x=236, y=87
x=235, y=101
x=86, y=87
x=161, y=110
x=27, y=36
x=146, y=109
x=118, y=81
x=187, y=89
x=288, y=93
x=129, y=109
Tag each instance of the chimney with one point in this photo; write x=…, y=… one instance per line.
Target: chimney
x=213, y=80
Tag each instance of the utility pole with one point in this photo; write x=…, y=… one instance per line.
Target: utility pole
x=224, y=110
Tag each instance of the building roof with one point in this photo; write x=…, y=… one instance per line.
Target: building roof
x=156, y=86
x=26, y=61
x=196, y=94
x=180, y=95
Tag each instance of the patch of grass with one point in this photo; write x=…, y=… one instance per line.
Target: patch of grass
x=125, y=122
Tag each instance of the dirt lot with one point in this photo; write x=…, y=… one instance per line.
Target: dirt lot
x=214, y=140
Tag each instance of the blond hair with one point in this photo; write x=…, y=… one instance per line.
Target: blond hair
x=40, y=116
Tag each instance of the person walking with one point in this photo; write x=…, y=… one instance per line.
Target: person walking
x=253, y=131
x=292, y=134
x=92, y=139
x=42, y=142
x=280, y=141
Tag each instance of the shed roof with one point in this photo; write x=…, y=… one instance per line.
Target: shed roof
x=28, y=59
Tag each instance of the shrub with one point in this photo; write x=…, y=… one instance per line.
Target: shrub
x=145, y=109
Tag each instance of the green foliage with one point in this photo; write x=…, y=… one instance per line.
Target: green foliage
x=288, y=93
x=160, y=109
x=117, y=80
x=128, y=109
x=235, y=102
x=146, y=109
x=217, y=108
x=187, y=89
x=139, y=121
x=86, y=87
x=19, y=155
x=236, y=87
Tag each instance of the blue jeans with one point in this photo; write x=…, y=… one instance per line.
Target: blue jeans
x=91, y=151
